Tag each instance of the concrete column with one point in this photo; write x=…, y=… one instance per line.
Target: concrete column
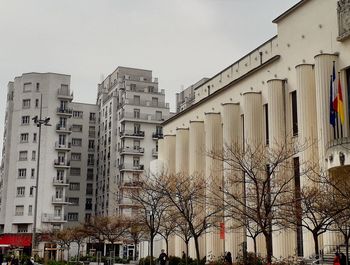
x=253, y=137
x=182, y=135
x=169, y=151
x=323, y=72
x=232, y=138
x=197, y=167
x=214, y=176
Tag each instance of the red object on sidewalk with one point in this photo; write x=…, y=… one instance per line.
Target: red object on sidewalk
x=16, y=240
x=222, y=231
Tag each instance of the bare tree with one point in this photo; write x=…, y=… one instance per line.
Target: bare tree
x=258, y=182
x=64, y=238
x=78, y=235
x=136, y=233
x=167, y=226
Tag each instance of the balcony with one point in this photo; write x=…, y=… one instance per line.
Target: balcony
x=132, y=134
x=338, y=154
x=157, y=135
x=155, y=152
x=64, y=94
x=144, y=103
x=63, y=128
x=131, y=185
x=64, y=111
x=51, y=218
x=127, y=203
x=62, y=200
x=131, y=167
x=127, y=150
x=61, y=164
x=60, y=182
x=142, y=117
x=63, y=147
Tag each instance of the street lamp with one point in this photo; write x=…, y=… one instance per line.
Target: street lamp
x=38, y=121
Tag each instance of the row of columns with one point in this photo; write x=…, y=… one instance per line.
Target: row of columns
x=185, y=151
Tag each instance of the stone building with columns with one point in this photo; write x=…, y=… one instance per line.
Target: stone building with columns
x=279, y=90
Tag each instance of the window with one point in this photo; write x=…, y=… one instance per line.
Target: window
x=37, y=86
x=32, y=174
x=88, y=204
x=30, y=210
x=155, y=102
x=25, y=120
x=92, y=117
x=75, y=171
x=92, y=131
x=19, y=210
x=266, y=114
x=77, y=114
x=31, y=190
x=136, y=161
x=89, y=189
x=27, y=87
x=33, y=155
x=159, y=115
x=90, y=174
x=62, y=140
x=22, y=228
x=74, y=186
x=73, y=201
x=24, y=137
x=294, y=113
x=137, y=128
x=20, y=191
x=34, y=137
x=137, y=113
x=23, y=155
x=59, y=193
x=91, y=159
x=22, y=173
x=57, y=211
x=73, y=216
x=37, y=103
x=137, y=100
x=26, y=103
x=77, y=128
x=136, y=144
x=76, y=141
x=132, y=86
x=91, y=145
x=76, y=156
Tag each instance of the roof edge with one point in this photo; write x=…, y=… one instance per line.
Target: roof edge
x=289, y=11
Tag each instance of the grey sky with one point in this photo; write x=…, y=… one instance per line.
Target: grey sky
x=180, y=40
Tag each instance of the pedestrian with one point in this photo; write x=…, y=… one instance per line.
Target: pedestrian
x=336, y=260
x=31, y=261
x=163, y=257
x=183, y=255
x=228, y=258
x=342, y=259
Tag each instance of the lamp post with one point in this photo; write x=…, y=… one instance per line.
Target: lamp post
x=38, y=121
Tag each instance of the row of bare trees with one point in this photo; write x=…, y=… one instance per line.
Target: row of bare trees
x=263, y=190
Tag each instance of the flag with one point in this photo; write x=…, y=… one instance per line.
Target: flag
x=340, y=106
x=331, y=110
x=222, y=231
x=335, y=91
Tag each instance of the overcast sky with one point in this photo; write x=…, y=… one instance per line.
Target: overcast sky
x=180, y=40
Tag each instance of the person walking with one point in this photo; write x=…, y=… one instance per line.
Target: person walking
x=336, y=260
x=342, y=259
x=228, y=258
x=163, y=257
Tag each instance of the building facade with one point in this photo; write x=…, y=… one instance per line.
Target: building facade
x=279, y=91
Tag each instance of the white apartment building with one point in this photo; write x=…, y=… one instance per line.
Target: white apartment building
x=131, y=110
x=66, y=139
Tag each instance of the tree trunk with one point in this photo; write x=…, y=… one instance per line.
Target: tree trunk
x=151, y=250
x=255, y=248
x=135, y=250
x=167, y=245
x=78, y=259
x=268, y=242
x=196, y=244
x=317, y=250
x=186, y=252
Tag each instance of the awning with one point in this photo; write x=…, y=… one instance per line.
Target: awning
x=16, y=240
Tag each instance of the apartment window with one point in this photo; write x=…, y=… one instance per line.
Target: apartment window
x=31, y=190
x=26, y=103
x=76, y=156
x=34, y=137
x=137, y=113
x=155, y=102
x=266, y=114
x=92, y=131
x=20, y=191
x=25, y=120
x=37, y=86
x=75, y=171
x=59, y=193
x=294, y=113
x=78, y=114
x=88, y=204
x=136, y=161
x=137, y=100
x=57, y=211
x=92, y=116
x=76, y=141
x=137, y=128
x=74, y=201
x=136, y=144
x=60, y=175
x=32, y=174
x=159, y=115
x=73, y=216
x=132, y=86
x=74, y=186
x=37, y=103
x=24, y=137
x=91, y=159
x=22, y=228
x=30, y=210
x=90, y=174
x=33, y=155
x=27, y=87
x=91, y=145
x=22, y=173
x=87, y=217
x=77, y=128
x=89, y=189
x=23, y=155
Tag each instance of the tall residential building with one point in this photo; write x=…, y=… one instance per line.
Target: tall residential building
x=131, y=110
x=65, y=190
